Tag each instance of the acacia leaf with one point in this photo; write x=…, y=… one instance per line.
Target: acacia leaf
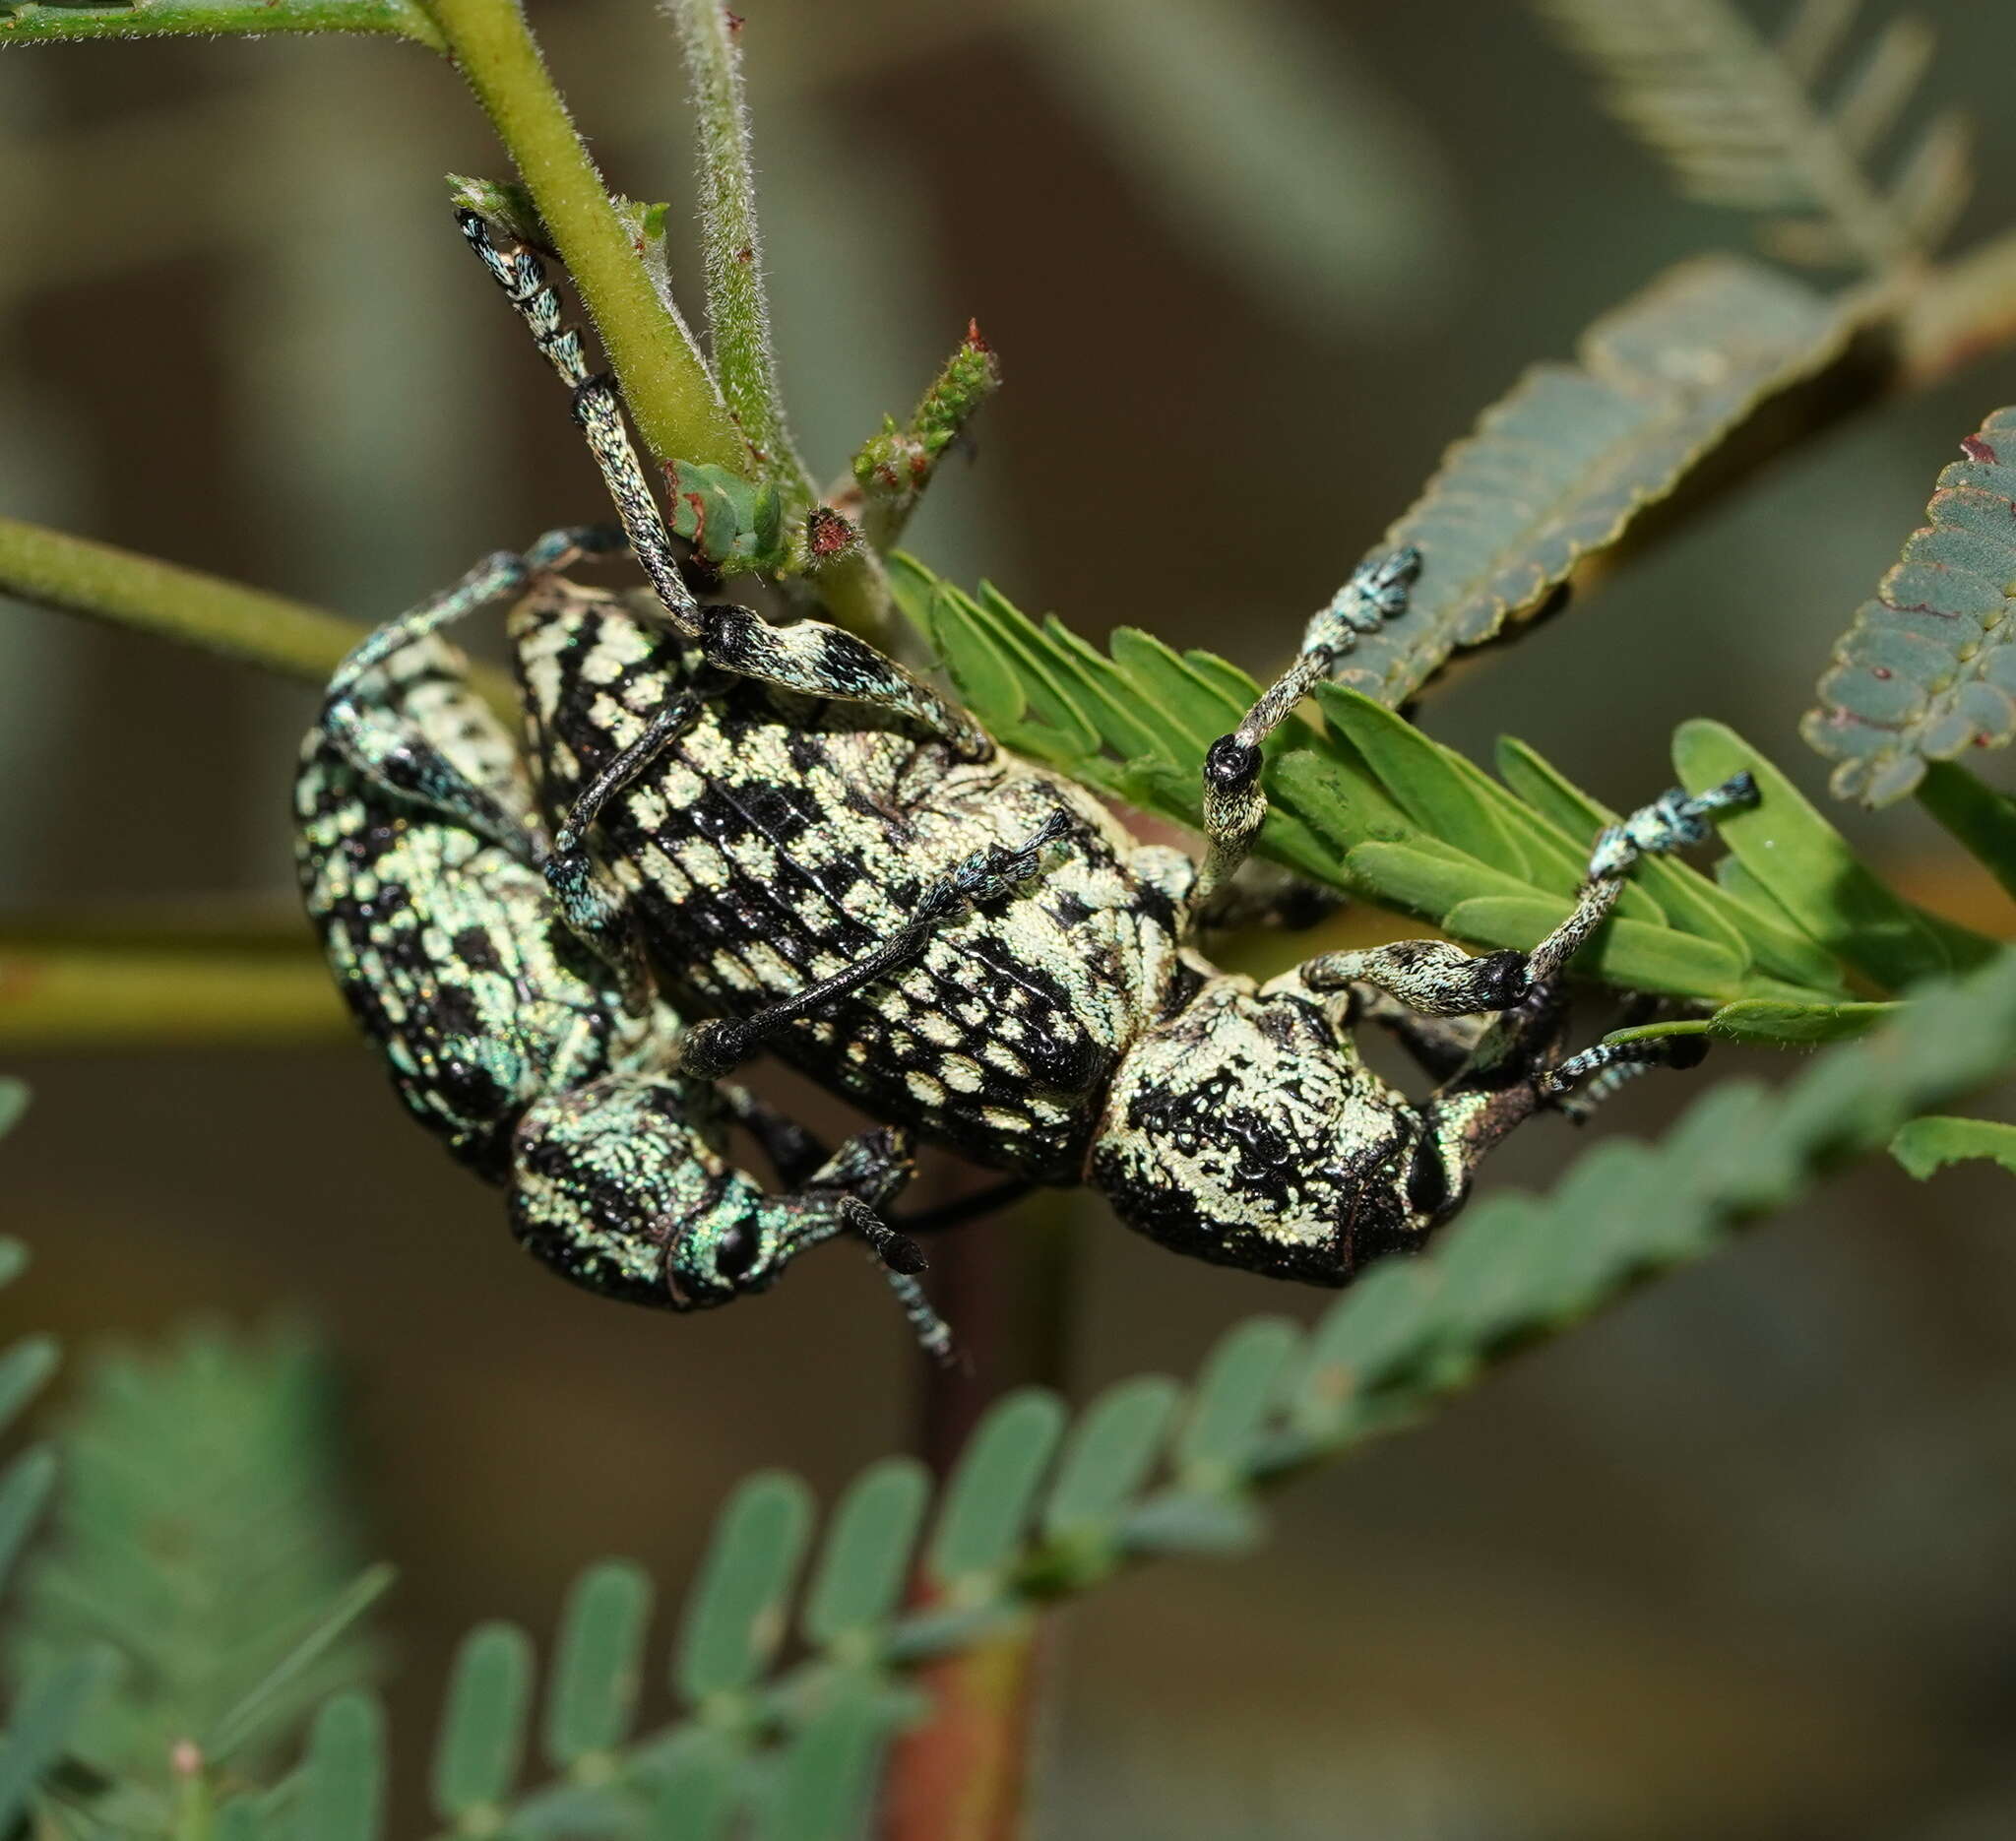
x=1561, y=465
x=1927, y=671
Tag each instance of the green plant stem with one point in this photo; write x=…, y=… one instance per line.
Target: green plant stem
x=855, y=592
x=78, y=576
x=737, y=302
x=83, y=999
x=74, y=575
x=49, y=25
x=665, y=384
x=854, y=589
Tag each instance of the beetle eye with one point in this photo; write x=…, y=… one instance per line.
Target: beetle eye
x=735, y=1252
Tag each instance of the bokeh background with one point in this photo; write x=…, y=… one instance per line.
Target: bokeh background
x=1732, y=1560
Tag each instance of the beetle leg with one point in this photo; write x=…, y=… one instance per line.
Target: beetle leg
x=1498, y=1091
x=395, y=752
x=588, y=896
x=1234, y=807
x=1438, y=1044
x=794, y=1152
x=1266, y=896
x=386, y=672
x=1439, y=979
x=1582, y=1082
x=619, y=1186
x=811, y=657
x=709, y=1050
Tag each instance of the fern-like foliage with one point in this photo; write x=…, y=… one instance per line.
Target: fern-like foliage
x=1561, y=467
x=200, y=1536
x=1042, y=1505
x=1369, y=804
x=1738, y=117
x=1929, y=668
x=43, y=1717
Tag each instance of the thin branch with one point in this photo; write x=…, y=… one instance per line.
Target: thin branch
x=217, y=925
x=56, y=570
x=63, y=998
x=28, y=23
x=665, y=380
x=53, y=569
x=737, y=303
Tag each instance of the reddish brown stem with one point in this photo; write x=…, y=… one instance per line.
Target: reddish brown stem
x=1005, y=1287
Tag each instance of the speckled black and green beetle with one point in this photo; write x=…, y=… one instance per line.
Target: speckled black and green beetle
x=826, y=858
x=534, y=1053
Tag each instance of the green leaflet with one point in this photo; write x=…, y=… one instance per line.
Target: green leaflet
x=596, y=1669
x=1624, y=953
x=1807, y=867
x=1771, y=1022
x=343, y=1777
x=735, y=524
x=1237, y=1392
x=867, y=1551
x=735, y=1618
x=992, y=1488
x=481, y=1745
x=1700, y=905
x=1927, y=671
x=1927, y=1145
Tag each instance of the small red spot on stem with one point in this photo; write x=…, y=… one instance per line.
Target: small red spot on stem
x=828, y=533
x=1976, y=449
x=976, y=337
x=735, y=20
x=1879, y=671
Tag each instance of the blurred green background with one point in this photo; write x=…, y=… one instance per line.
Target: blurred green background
x=1732, y=1560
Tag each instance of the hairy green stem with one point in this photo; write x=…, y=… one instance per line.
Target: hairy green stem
x=665, y=384
x=56, y=570
x=737, y=305
x=33, y=24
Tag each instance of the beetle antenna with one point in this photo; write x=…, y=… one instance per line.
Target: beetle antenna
x=933, y=1333
x=898, y=1251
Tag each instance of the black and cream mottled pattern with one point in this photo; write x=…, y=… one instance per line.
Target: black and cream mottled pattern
x=445, y=944
x=1246, y=1132
x=508, y=1038
x=782, y=838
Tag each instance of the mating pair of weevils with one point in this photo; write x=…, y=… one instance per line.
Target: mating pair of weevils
x=782, y=831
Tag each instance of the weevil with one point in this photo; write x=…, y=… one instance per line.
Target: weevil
x=531, y=1050
x=824, y=856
